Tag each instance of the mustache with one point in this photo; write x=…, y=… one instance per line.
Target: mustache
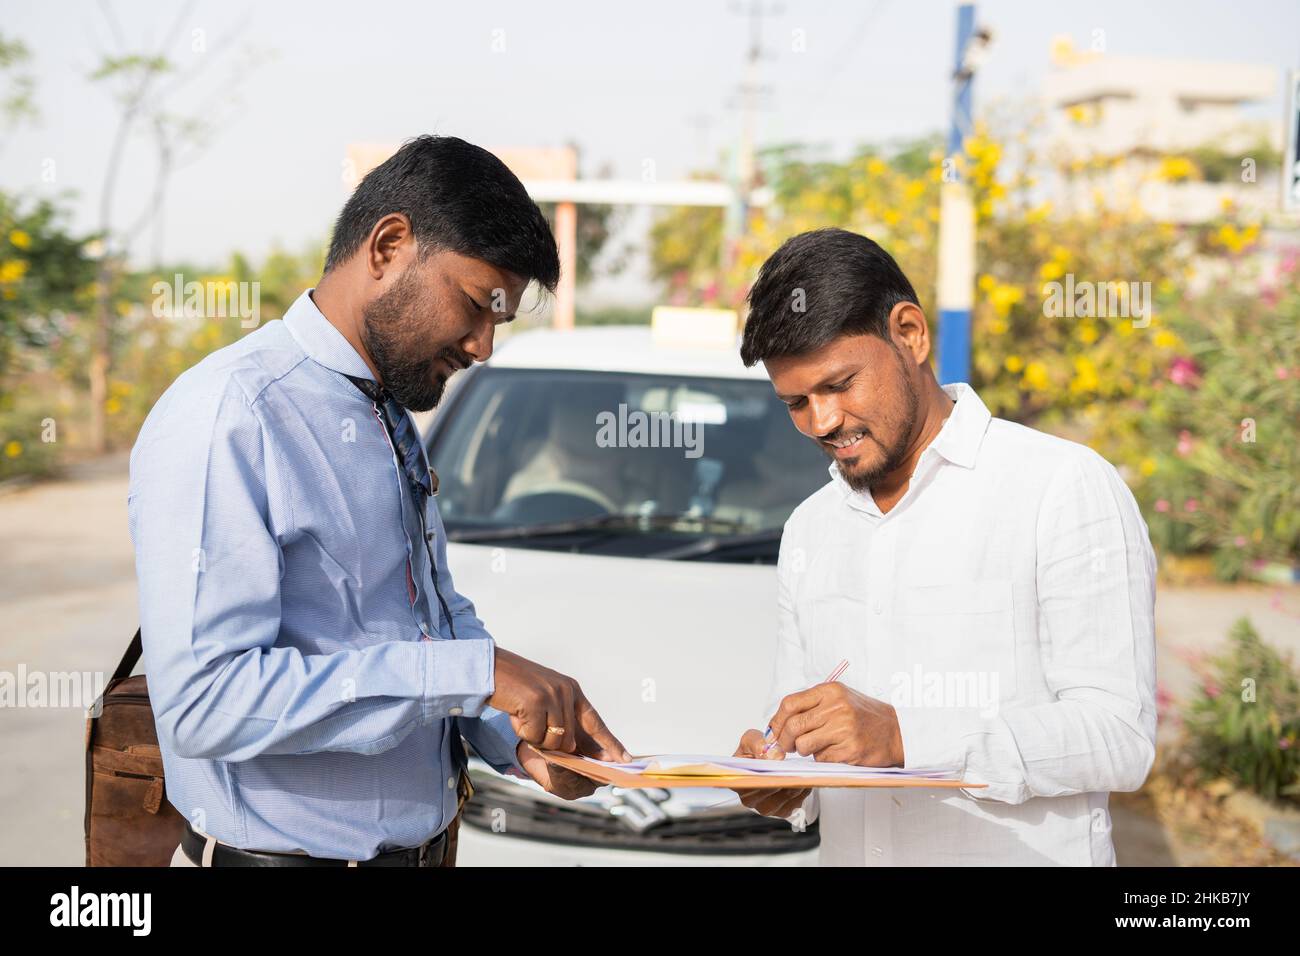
x=456, y=356
x=840, y=433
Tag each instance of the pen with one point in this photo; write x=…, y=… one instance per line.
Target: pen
x=835, y=675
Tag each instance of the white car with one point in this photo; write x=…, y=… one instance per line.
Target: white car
x=613, y=508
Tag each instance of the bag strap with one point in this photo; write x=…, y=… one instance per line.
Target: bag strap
x=129, y=659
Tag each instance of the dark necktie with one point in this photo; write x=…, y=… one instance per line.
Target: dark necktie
x=406, y=442
x=401, y=431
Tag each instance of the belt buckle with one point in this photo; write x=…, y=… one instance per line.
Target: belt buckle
x=426, y=853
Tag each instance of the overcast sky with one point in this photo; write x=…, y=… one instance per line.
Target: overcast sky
x=626, y=81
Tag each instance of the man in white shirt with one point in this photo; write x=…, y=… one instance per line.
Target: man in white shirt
x=990, y=586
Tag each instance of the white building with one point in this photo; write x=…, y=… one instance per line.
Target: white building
x=1143, y=111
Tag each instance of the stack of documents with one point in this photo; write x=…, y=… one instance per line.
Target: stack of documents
x=706, y=770
x=702, y=765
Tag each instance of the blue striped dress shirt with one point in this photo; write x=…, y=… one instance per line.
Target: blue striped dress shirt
x=306, y=690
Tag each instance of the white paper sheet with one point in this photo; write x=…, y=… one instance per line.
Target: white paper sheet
x=706, y=765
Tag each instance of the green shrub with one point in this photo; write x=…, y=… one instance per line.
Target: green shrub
x=1221, y=431
x=22, y=450
x=1244, y=722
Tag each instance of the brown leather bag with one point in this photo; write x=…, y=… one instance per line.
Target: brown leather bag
x=128, y=819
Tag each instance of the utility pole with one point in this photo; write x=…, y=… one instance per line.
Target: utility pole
x=749, y=96
x=957, y=211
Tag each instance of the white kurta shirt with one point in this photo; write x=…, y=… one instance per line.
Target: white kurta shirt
x=1005, y=607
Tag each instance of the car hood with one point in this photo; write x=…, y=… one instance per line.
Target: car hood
x=677, y=656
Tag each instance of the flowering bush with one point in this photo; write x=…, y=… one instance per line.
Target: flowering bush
x=1244, y=722
x=1091, y=319
x=1220, y=430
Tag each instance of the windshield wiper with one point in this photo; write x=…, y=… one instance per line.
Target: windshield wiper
x=598, y=523
x=716, y=545
x=607, y=522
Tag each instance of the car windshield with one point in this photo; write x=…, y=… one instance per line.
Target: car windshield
x=547, y=458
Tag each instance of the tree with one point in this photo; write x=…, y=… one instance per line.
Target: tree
x=17, y=100
x=138, y=84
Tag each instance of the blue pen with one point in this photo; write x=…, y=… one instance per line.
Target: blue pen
x=835, y=675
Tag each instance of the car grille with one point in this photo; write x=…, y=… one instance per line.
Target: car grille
x=500, y=805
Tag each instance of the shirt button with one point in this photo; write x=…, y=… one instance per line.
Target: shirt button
x=877, y=607
x=456, y=711
x=451, y=783
x=877, y=851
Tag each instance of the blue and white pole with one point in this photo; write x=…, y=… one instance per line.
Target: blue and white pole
x=956, y=271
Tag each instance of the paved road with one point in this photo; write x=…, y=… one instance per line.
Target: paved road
x=67, y=602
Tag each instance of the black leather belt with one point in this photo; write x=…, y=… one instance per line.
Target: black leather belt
x=192, y=844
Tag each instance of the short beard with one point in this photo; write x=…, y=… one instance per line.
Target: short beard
x=391, y=325
x=862, y=481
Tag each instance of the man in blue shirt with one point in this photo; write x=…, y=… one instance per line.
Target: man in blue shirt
x=311, y=666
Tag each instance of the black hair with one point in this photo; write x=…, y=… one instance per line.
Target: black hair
x=817, y=286
x=458, y=196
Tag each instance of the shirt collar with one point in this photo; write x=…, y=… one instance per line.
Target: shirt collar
x=962, y=434
x=322, y=342
x=958, y=440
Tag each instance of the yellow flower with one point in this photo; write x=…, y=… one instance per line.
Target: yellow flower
x=998, y=326
x=1014, y=363
x=1166, y=339
x=1228, y=237
x=1051, y=270
x=13, y=449
x=112, y=406
x=876, y=167
x=986, y=283
x=1035, y=376
x=914, y=189
x=1087, y=333
x=12, y=271
x=1085, y=375
x=1147, y=467
x=19, y=239
x=1176, y=168
x=1004, y=297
